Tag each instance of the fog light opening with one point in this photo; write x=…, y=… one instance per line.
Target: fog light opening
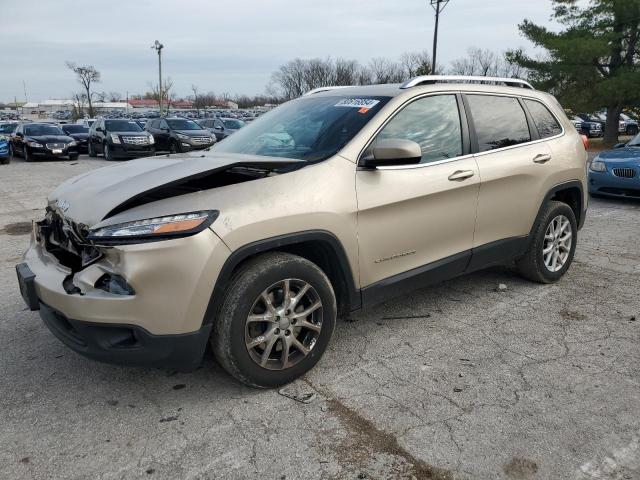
x=114, y=284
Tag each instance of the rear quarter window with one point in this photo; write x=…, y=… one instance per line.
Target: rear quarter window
x=499, y=121
x=544, y=120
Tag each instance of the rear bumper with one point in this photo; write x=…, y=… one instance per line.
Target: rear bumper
x=130, y=345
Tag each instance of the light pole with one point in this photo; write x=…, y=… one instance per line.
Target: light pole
x=158, y=47
x=438, y=6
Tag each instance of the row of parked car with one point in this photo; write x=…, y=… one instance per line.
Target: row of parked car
x=593, y=125
x=114, y=138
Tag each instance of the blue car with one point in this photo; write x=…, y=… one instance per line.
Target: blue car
x=5, y=157
x=616, y=173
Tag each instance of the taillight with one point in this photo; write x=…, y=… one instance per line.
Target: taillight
x=585, y=142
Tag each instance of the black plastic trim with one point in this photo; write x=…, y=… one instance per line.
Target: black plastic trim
x=274, y=243
x=498, y=252
x=129, y=345
x=420, y=277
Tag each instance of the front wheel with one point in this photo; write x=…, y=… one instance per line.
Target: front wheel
x=276, y=320
x=28, y=157
x=92, y=150
x=553, y=244
x=107, y=152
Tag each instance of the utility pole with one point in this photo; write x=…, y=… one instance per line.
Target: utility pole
x=438, y=6
x=158, y=47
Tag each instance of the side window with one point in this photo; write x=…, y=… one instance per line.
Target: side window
x=546, y=123
x=164, y=124
x=499, y=121
x=433, y=123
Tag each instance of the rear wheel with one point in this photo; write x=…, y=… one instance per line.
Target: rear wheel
x=276, y=320
x=553, y=244
x=174, y=147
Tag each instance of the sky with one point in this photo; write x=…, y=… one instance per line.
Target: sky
x=232, y=46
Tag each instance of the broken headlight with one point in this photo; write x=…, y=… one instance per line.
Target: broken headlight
x=157, y=228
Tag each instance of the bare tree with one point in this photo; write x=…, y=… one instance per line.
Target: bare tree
x=165, y=91
x=384, y=70
x=79, y=101
x=196, y=98
x=485, y=63
x=86, y=75
x=416, y=63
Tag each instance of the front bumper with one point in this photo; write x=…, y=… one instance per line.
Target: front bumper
x=124, y=150
x=191, y=145
x=160, y=324
x=45, y=152
x=607, y=184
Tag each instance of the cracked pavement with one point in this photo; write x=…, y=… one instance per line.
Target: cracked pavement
x=458, y=381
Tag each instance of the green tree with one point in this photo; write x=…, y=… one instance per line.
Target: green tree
x=593, y=62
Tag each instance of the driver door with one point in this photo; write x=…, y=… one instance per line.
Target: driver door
x=416, y=222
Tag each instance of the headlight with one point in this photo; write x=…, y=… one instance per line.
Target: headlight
x=181, y=225
x=151, y=140
x=183, y=137
x=35, y=144
x=115, y=138
x=598, y=165
x=72, y=143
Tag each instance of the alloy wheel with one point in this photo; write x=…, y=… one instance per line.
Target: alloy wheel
x=557, y=243
x=284, y=324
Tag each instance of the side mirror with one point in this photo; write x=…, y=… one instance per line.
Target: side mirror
x=391, y=152
x=99, y=129
x=217, y=128
x=19, y=135
x=620, y=145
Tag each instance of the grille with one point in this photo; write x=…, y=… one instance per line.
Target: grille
x=201, y=139
x=624, y=172
x=140, y=140
x=57, y=146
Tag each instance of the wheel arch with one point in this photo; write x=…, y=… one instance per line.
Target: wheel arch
x=318, y=246
x=571, y=193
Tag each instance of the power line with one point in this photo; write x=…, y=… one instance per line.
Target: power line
x=438, y=6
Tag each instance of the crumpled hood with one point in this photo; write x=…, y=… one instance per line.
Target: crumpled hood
x=89, y=198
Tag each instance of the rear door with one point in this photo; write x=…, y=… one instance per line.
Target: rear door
x=419, y=217
x=515, y=165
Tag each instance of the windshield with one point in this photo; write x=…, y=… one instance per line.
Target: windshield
x=75, y=129
x=180, y=124
x=233, y=124
x=309, y=128
x=8, y=127
x=122, y=126
x=635, y=141
x=36, y=130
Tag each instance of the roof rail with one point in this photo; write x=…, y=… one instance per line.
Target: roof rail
x=325, y=89
x=430, y=79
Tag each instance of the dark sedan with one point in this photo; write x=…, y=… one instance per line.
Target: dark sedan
x=42, y=140
x=79, y=133
x=616, y=173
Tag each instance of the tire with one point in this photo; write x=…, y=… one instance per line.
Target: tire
x=267, y=273
x=174, y=147
x=107, y=152
x=5, y=161
x=532, y=265
x=92, y=151
x=27, y=155
x=74, y=156
x=632, y=130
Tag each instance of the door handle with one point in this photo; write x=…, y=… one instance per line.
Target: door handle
x=542, y=158
x=460, y=175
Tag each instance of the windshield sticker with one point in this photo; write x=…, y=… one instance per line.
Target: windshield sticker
x=360, y=103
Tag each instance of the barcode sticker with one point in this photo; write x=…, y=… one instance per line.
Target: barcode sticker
x=357, y=103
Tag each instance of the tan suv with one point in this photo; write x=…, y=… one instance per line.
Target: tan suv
x=327, y=204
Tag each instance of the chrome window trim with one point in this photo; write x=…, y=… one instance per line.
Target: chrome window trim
x=462, y=157
x=530, y=142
